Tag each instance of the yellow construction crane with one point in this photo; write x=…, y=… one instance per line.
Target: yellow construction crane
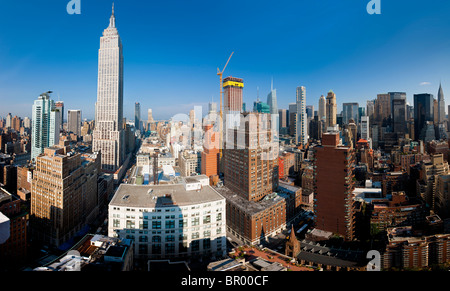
x=220, y=74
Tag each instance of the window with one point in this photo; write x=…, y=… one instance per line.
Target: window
x=206, y=243
x=170, y=238
x=156, y=239
x=116, y=222
x=156, y=224
x=195, y=221
x=130, y=224
x=207, y=219
x=195, y=246
x=156, y=249
x=219, y=217
x=170, y=248
x=170, y=224
x=143, y=238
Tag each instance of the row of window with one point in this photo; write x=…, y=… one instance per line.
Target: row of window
x=171, y=237
x=168, y=209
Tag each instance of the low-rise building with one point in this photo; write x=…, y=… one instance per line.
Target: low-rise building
x=254, y=222
x=171, y=220
x=14, y=219
x=95, y=253
x=397, y=210
x=407, y=251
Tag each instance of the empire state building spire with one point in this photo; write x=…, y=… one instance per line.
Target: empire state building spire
x=112, y=20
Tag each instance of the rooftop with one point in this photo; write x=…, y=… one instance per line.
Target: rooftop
x=250, y=207
x=162, y=195
x=330, y=255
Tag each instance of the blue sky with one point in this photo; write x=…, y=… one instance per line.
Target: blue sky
x=172, y=50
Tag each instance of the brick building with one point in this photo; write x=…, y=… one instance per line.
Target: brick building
x=333, y=186
x=397, y=210
x=64, y=194
x=251, y=157
x=210, y=154
x=253, y=222
x=407, y=251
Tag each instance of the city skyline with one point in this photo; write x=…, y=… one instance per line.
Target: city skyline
x=341, y=165
x=158, y=68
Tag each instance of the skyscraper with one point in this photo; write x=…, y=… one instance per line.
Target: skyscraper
x=322, y=108
x=441, y=104
x=210, y=153
x=108, y=136
x=261, y=107
x=272, y=101
x=233, y=94
x=301, y=135
x=150, y=116
x=212, y=111
x=334, y=185
x=284, y=118
x=233, y=104
x=423, y=112
x=74, y=122
x=398, y=112
x=331, y=110
x=137, y=116
x=350, y=111
x=365, y=127
x=273, y=109
x=382, y=109
x=8, y=120
x=60, y=106
x=292, y=119
x=251, y=157
x=45, y=125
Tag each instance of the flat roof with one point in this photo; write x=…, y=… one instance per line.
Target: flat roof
x=250, y=207
x=4, y=195
x=162, y=195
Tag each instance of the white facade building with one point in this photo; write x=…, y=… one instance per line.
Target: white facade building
x=108, y=136
x=301, y=135
x=170, y=221
x=365, y=127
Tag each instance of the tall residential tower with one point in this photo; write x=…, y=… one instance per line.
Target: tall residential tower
x=46, y=122
x=301, y=135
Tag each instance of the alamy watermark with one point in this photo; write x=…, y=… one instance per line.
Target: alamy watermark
x=374, y=7
x=74, y=7
x=375, y=262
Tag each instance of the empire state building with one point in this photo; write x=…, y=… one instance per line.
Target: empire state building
x=108, y=136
